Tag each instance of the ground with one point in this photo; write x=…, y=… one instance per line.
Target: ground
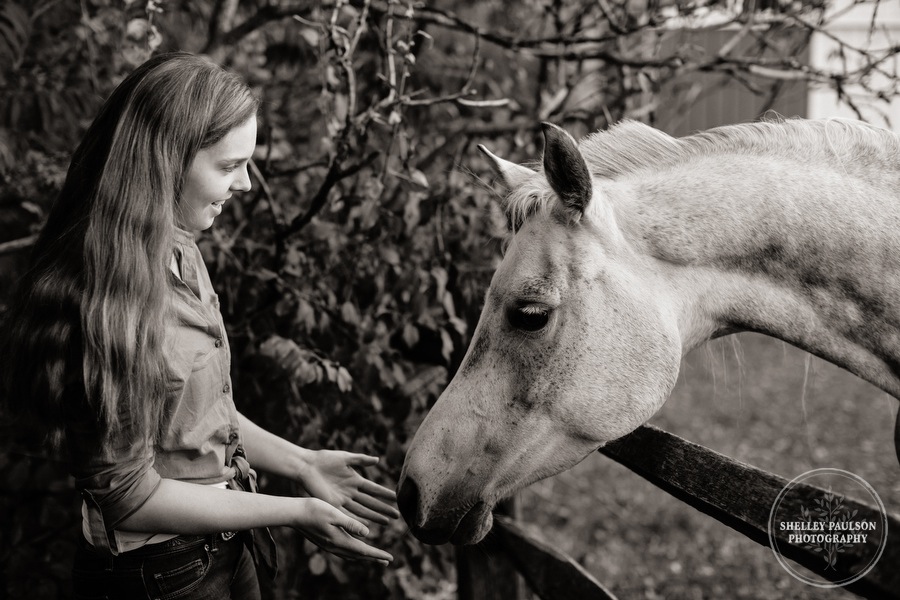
x=752, y=398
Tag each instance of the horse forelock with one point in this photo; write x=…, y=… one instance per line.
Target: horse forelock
x=631, y=147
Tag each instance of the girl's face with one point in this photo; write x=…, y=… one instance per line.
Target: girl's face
x=216, y=172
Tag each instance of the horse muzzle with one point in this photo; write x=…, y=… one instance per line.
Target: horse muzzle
x=464, y=524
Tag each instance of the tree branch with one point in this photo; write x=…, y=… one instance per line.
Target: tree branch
x=335, y=174
x=17, y=245
x=222, y=20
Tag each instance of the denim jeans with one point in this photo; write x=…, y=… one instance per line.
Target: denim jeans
x=205, y=567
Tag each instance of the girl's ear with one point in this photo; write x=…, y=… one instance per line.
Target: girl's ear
x=510, y=173
x=566, y=170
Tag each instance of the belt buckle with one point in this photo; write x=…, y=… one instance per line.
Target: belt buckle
x=227, y=535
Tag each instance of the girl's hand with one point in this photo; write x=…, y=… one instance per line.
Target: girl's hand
x=333, y=531
x=330, y=476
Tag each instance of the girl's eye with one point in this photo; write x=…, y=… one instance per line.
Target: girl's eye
x=530, y=317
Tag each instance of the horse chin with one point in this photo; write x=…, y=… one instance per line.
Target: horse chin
x=474, y=526
x=470, y=529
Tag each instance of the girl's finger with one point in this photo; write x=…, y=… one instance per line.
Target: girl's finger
x=351, y=547
x=365, y=513
x=359, y=518
x=351, y=525
x=373, y=489
x=361, y=460
x=377, y=506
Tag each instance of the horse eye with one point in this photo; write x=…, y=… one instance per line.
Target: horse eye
x=530, y=317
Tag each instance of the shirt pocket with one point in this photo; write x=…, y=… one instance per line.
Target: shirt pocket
x=204, y=356
x=207, y=378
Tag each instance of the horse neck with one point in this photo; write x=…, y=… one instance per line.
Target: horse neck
x=807, y=253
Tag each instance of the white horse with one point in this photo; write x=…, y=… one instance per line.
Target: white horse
x=629, y=251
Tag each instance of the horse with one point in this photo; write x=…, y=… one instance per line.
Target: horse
x=627, y=251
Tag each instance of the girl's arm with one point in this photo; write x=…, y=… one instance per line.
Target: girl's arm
x=326, y=474
x=188, y=508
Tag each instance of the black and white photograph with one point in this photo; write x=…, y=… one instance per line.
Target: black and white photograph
x=449, y=300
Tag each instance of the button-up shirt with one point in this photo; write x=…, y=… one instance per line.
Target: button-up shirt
x=200, y=431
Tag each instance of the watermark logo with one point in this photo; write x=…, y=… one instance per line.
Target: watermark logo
x=819, y=513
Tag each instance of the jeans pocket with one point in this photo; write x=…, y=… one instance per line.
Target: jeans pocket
x=172, y=579
x=81, y=592
x=95, y=577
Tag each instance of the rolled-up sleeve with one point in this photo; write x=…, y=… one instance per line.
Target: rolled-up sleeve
x=114, y=484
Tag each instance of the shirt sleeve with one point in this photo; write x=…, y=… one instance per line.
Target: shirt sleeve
x=114, y=484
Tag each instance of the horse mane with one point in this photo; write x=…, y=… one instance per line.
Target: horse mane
x=631, y=147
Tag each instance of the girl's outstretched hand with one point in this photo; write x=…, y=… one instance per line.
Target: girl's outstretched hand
x=330, y=476
x=333, y=531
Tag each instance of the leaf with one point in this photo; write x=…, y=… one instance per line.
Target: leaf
x=310, y=35
x=389, y=255
x=344, y=380
x=331, y=371
x=410, y=335
x=264, y=274
x=15, y=30
x=440, y=279
x=349, y=313
x=6, y=161
x=412, y=181
x=307, y=373
x=446, y=345
x=306, y=315
x=317, y=564
x=419, y=179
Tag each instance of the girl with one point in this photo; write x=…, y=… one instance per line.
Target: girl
x=116, y=345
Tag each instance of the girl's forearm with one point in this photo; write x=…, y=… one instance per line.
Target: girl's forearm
x=268, y=452
x=190, y=508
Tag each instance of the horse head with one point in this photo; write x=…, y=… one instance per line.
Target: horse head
x=578, y=344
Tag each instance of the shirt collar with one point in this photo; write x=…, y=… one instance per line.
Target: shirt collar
x=183, y=237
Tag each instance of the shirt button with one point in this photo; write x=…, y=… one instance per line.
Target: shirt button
x=226, y=388
x=218, y=342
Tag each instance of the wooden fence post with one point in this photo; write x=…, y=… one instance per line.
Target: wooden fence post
x=483, y=571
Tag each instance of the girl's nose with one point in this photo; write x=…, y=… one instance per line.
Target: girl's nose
x=241, y=183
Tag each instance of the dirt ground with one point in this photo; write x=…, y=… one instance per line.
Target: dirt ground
x=750, y=397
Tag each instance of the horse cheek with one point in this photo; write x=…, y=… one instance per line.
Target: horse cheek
x=629, y=364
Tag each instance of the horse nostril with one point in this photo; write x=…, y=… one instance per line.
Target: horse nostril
x=408, y=500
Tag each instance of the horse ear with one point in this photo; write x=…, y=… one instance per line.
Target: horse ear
x=566, y=170
x=513, y=175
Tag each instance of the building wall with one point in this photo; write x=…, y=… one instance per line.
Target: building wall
x=698, y=101
x=854, y=26
x=701, y=100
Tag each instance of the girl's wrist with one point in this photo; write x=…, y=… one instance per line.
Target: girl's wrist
x=304, y=514
x=303, y=459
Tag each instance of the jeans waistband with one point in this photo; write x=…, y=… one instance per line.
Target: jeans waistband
x=176, y=544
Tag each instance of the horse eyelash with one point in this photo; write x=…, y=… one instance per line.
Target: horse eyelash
x=533, y=309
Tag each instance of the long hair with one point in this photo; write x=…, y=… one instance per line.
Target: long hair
x=85, y=333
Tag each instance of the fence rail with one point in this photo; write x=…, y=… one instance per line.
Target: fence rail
x=736, y=494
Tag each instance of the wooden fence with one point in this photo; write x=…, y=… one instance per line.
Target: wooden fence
x=738, y=495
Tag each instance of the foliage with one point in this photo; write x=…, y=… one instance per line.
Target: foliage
x=352, y=274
